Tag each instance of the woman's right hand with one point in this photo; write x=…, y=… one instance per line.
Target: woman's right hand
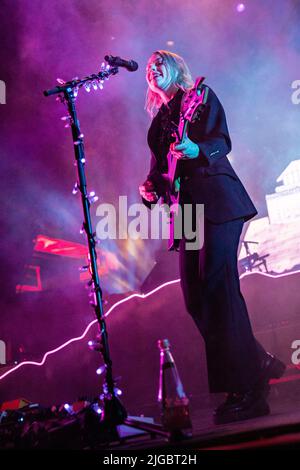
x=147, y=192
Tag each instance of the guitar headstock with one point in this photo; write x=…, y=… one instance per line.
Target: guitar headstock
x=194, y=101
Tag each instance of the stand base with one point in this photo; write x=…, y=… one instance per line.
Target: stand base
x=114, y=412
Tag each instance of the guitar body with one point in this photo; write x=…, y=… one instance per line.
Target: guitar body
x=192, y=106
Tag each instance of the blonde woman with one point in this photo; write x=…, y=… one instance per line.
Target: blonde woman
x=237, y=365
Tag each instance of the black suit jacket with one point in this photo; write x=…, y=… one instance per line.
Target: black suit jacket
x=208, y=179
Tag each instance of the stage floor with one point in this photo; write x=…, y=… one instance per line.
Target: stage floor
x=83, y=431
x=279, y=429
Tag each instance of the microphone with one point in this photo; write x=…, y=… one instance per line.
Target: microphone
x=129, y=65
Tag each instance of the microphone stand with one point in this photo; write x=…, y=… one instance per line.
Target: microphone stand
x=114, y=412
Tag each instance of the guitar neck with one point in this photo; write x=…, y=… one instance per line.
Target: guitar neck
x=190, y=107
x=182, y=132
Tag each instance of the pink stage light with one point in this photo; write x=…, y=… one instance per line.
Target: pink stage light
x=240, y=7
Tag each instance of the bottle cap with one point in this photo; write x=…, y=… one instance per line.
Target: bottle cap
x=163, y=344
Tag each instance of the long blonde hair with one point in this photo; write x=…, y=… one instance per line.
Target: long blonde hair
x=180, y=76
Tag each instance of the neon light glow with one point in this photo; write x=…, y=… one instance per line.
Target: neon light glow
x=113, y=307
x=79, y=338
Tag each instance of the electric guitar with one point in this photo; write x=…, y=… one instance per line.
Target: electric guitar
x=192, y=106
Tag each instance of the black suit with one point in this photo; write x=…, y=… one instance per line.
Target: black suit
x=213, y=181
x=209, y=277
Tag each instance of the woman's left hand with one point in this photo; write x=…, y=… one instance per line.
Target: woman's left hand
x=185, y=150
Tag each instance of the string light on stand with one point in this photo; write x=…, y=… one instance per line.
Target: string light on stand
x=92, y=197
x=75, y=189
x=113, y=412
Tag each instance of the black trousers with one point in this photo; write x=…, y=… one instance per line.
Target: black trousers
x=211, y=290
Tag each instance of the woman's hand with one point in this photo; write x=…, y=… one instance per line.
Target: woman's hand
x=147, y=192
x=185, y=150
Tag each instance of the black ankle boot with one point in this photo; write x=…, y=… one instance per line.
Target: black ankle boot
x=271, y=368
x=251, y=404
x=231, y=399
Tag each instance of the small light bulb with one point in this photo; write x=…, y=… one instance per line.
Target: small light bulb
x=61, y=81
x=75, y=189
x=100, y=370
